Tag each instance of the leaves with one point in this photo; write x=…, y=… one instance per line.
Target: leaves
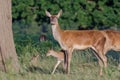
x=75, y=13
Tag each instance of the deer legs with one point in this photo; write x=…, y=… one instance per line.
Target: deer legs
x=102, y=60
x=67, y=59
x=58, y=62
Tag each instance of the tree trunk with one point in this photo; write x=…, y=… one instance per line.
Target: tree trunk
x=8, y=56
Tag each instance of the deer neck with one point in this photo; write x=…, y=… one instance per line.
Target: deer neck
x=56, y=32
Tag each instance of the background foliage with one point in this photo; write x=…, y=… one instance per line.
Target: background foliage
x=30, y=21
x=78, y=12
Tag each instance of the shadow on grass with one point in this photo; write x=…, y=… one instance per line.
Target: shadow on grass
x=35, y=69
x=114, y=55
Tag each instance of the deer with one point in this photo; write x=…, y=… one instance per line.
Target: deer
x=70, y=40
x=112, y=40
x=58, y=55
x=34, y=60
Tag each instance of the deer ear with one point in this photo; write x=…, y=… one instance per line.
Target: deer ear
x=48, y=14
x=59, y=14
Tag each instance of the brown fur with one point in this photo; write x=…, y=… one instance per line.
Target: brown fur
x=34, y=60
x=113, y=38
x=58, y=55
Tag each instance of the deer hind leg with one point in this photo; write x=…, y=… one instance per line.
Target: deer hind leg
x=99, y=52
x=102, y=60
x=58, y=62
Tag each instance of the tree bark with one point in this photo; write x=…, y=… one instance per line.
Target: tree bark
x=8, y=56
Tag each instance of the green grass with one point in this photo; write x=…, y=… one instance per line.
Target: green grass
x=84, y=66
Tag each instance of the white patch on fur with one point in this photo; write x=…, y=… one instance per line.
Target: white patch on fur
x=55, y=32
x=81, y=47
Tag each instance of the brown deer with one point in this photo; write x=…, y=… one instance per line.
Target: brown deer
x=78, y=39
x=34, y=60
x=58, y=55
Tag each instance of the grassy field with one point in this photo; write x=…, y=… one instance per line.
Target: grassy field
x=84, y=66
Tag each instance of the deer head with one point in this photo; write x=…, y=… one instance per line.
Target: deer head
x=53, y=18
x=50, y=52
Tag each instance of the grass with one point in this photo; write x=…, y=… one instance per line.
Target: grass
x=84, y=66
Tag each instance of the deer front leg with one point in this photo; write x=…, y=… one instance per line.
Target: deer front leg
x=69, y=60
x=58, y=62
x=65, y=60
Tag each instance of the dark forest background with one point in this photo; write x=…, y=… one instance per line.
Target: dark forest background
x=30, y=20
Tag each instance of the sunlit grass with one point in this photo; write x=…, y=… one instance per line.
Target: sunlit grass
x=84, y=66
